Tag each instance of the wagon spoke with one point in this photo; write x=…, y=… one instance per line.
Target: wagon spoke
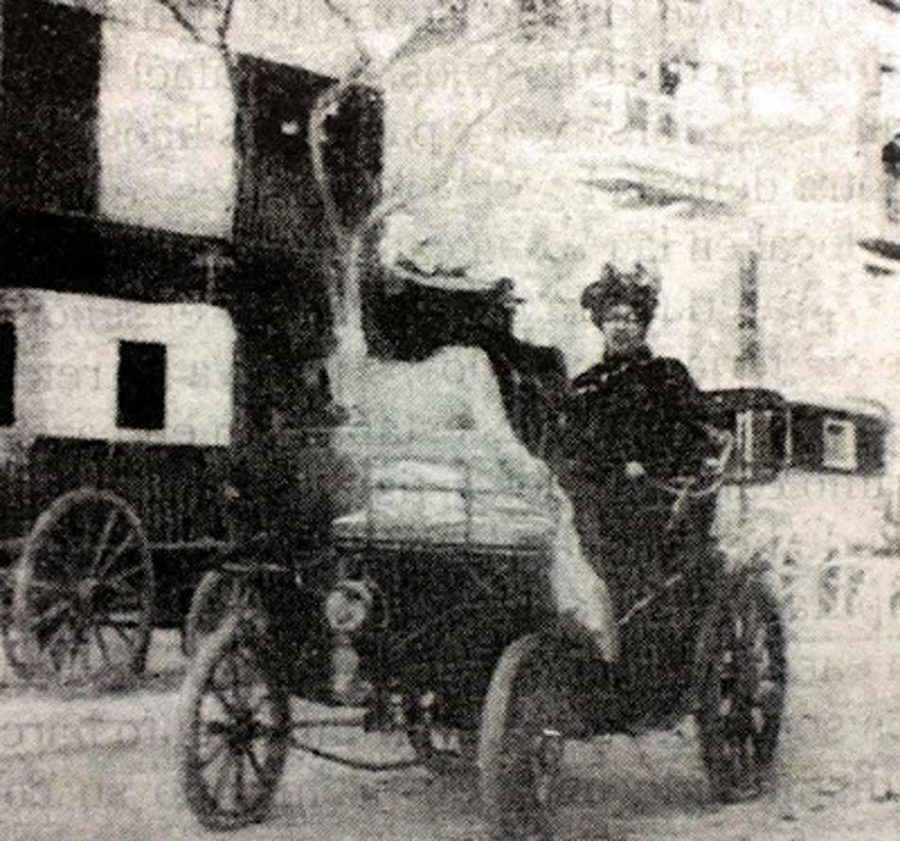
x=240, y=800
x=129, y=591
x=54, y=587
x=220, y=745
x=101, y=643
x=124, y=575
x=128, y=542
x=237, y=686
x=228, y=706
x=70, y=655
x=53, y=643
x=260, y=704
x=119, y=627
x=105, y=535
x=220, y=779
x=85, y=652
x=254, y=761
x=53, y=612
x=230, y=774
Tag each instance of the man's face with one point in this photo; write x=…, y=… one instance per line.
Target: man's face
x=623, y=332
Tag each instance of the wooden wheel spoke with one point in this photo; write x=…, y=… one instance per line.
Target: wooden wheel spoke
x=119, y=582
x=85, y=652
x=101, y=644
x=52, y=587
x=52, y=645
x=126, y=574
x=75, y=646
x=247, y=659
x=119, y=627
x=220, y=779
x=229, y=707
x=103, y=540
x=240, y=799
x=238, y=687
x=259, y=705
x=254, y=761
x=220, y=745
x=54, y=612
x=129, y=541
x=746, y=762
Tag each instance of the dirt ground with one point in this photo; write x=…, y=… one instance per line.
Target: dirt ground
x=105, y=767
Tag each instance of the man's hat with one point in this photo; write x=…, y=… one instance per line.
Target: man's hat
x=638, y=288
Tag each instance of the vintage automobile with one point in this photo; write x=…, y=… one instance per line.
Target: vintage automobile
x=434, y=610
x=115, y=422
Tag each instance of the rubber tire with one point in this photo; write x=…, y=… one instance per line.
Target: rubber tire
x=736, y=602
x=522, y=674
x=201, y=668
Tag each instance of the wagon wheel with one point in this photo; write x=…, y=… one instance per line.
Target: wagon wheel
x=7, y=634
x=83, y=594
x=217, y=595
x=441, y=750
x=235, y=727
x=741, y=693
x=521, y=744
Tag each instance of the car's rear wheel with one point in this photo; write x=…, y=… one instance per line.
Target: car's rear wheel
x=742, y=688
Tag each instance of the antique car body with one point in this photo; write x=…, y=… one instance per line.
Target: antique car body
x=433, y=609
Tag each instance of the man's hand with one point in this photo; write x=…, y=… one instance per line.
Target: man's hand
x=635, y=470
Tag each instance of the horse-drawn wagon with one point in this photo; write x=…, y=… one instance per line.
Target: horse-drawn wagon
x=115, y=422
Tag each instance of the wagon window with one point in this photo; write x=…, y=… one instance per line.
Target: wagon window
x=141, y=385
x=839, y=444
x=7, y=374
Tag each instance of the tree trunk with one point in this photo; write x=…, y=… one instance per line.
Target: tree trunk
x=347, y=362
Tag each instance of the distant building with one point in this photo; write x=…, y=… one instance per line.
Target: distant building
x=118, y=170
x=745, y=150
x=739, y=147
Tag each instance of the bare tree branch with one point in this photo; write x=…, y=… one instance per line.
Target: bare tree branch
x=224, y=25
x=352, y=27
x=389, y=205
x=174, y=8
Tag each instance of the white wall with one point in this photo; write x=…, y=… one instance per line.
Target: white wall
x=67, y=364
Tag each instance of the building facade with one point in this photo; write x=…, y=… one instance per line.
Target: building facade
x=738, y=148
x=746, y=152
x=122, y=171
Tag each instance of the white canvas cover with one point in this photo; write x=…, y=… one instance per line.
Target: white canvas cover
x=441, y=463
